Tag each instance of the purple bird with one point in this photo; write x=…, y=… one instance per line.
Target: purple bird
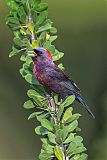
x=52, y=77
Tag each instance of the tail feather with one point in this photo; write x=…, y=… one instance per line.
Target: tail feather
x=81, y=100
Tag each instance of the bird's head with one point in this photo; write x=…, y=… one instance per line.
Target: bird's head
x=42, y=55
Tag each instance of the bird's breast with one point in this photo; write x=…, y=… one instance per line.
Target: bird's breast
x=39, y=72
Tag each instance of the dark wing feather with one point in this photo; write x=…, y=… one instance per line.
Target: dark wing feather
x=57, y=74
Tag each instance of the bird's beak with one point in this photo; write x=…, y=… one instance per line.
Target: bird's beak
x=32, y=55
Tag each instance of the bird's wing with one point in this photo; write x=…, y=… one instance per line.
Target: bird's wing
x=57, y=74
x=70, y=85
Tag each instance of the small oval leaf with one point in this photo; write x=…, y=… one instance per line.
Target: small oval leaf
x=29, y=104
x=59, y=154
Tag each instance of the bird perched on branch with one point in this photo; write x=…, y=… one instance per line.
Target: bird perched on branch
x=49, y=75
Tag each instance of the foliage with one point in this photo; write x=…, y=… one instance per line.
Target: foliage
x=28, y=19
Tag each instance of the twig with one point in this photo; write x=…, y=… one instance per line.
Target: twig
x=30, y=21
x=54, y=116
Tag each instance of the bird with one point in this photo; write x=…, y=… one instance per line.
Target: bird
x=51, y=76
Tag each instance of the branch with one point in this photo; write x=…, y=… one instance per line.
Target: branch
x=28, y=19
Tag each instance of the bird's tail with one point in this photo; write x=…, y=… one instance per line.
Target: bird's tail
x=82, y=101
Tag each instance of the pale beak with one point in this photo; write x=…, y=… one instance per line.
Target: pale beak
x=32, y=55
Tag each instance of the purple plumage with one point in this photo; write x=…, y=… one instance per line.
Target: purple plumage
x=49, y=75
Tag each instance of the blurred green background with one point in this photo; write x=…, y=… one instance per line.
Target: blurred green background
x=82, y=36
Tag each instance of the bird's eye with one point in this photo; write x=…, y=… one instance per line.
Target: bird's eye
x=39, y=53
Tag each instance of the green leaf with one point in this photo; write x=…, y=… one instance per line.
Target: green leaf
x=61, y=66
x=52, y=38
x=42, y=116
x=37, y=97
x=47, y=151
x=19, y=42
x=60, y=112
x=72, y=146
x=45, y=156
x=22, y=72
x=69, y=138
x=79, y=150
x=51, y=137
x=76, y=157
x=48, y=148
x=27, y=68
x=31, y=79
x=44, y=28
x=11, y=20
x=39, y=89
x=34, y=94
x=59, y=56
x=41, y=18
x=48, y=21
x=65, y=133
x=41, y=39
x=32, y=115
x=67, y=114
x=78, y=140
x=29, y=104
x=47, y=124
x=40, y=130
x=35, y=3
x=73, y=118
x=71, y=127
x=42, y=6
x=14, y=51
x=53, y=30
x=59, y=136
x=35, y=114
x=49, y=47
x=12, y=4
x=59, y=154
x=44, y=140
x=28, y=59
x=83, y=157
x=68, y=101
x=23, y=57
x=78, y=129
x=22, y=14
